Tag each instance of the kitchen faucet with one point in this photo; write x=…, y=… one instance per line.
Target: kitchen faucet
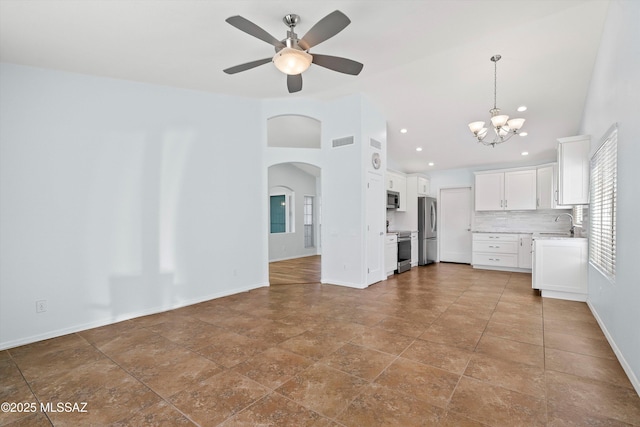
x=573, y=227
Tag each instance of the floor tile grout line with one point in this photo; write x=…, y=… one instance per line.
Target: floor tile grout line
x=141, y=382
x=35, y=396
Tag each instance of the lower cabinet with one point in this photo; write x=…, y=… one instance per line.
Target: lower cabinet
x=525, y=250
x=391, y=253
x=501, y=251
x=560, y=268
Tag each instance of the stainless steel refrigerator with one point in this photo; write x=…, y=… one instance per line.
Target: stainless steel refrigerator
x=427, y=230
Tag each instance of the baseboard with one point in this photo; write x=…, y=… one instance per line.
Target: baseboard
x=292, y=257
x=509, y=269
x=104, y=322
x=346, y=284
x=625, y=365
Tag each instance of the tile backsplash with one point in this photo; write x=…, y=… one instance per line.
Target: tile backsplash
x=521, y=221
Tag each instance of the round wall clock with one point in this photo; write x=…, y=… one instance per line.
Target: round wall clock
x=375, y=160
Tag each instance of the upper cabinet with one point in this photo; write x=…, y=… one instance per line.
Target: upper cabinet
x=506, y=190
x=490, y=191
x=424, y=186
x=398, y=183
x=573, y=170
x=547, y=187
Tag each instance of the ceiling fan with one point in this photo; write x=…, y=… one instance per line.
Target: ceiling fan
x=292, y=56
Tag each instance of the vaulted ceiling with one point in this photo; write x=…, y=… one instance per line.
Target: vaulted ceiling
x=426, y=63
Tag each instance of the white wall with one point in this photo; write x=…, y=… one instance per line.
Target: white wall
x=119, y=199
x=614, y=96
x=343, y=179
x=291, y=245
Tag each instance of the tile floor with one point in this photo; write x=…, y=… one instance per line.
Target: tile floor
x=440, y=345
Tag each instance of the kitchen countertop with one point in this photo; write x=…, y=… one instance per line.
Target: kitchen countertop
x=555, y=236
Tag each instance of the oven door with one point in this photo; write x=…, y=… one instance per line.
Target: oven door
x=404, y=254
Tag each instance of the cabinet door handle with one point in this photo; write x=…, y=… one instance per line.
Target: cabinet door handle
x=505, y=203
x=537, y=203
x=500, y=203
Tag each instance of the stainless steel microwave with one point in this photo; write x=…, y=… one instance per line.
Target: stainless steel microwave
x=393, y=200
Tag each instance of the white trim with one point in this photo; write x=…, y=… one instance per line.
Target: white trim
x=293, y=257
x=345, y=284
x=510, y=269
x=104, y=322
x=625, y=365
x=570, y=296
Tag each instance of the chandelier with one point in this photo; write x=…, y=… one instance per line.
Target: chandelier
x=502, y=126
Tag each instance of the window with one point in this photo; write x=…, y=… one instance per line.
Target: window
x=602, y=209
x=278, y=214
x=308, y=222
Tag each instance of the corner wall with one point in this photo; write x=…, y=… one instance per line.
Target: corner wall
x=614, y=96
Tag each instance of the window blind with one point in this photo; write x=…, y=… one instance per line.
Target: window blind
x=602, y=208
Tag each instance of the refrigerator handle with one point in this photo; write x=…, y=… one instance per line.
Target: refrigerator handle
x=433, y=218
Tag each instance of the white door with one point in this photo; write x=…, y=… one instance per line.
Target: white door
x=375, y=228
x=455, y=225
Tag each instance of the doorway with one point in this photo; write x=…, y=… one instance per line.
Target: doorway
x=294, y=200
x=295, y=271
x=455, y=225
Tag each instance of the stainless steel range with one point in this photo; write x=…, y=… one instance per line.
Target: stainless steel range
x=404, y=251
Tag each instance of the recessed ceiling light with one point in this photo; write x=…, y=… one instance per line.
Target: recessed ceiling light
x=403, y=130
x=525, y=153
x=522, y=108
x=523, y=134
x=419, y=149
x=431, y=163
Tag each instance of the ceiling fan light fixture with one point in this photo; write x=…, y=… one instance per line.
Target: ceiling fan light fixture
x=292, y=61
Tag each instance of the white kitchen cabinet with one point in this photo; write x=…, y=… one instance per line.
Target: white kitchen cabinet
x=391, y=253
x=495, y=251
x=560, y=268
x=547, y=187
x=414, y=248
x=398, y=182
x=490, y=191
x=424, y=186
x=520, y=190
x=505, y=190
x=525, y=251
x=573, y=170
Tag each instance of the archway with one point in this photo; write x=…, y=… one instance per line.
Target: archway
x=294, y=205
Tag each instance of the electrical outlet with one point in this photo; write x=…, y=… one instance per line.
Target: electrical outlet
x=41, y=306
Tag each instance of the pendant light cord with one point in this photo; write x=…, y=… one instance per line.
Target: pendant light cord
x=495, y=84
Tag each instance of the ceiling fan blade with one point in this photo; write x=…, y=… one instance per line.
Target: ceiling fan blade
x=247, y=66
x=324, y=29
x=336, y=63
x=294, y=83
x=252, y=29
